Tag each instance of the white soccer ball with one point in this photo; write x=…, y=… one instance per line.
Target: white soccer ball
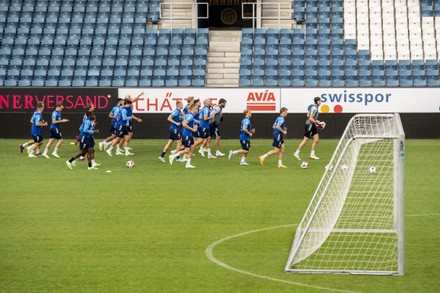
x=321, y=125
x=372, y=170
x=130, y=164
x=304, y=165
x=344, y=168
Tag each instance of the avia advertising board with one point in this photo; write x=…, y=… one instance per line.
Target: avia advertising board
x=163, y=100
x=364, y=100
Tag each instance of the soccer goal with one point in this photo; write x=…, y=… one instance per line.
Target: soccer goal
x=354, y=222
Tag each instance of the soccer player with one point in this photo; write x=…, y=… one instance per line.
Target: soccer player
x=217, y=111
x=29, y=143
x=54, y=131
x=37, y=122
x=113, y=115
x=124, y=116
x=89, y=108
x=86, y=142
x=190, y=101
x=311, y=130
x=175, y=118
x=279, y=129
x=246, y=132
x=204, y=129
x=189, y=127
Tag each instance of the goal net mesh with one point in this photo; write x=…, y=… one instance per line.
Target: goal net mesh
x=353, y=221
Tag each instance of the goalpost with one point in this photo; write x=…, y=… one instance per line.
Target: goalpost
x=354, y=222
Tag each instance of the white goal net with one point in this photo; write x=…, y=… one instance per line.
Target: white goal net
x=354, y=222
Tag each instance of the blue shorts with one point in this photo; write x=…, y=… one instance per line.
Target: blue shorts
x=187, y=141
x=245, y=144
x=113, y=128
x=37, y=138
x=278, y=140
x=214, y=130
x=121, y=131
x=130, y=127
x=204, y=132
x=196, y=134
x=174, y=134
x=55, y=133
x=86, y=142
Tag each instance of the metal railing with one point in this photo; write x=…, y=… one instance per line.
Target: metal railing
x=194, y=9
x=257, y=9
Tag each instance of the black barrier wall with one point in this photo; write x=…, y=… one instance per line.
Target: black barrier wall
x=18, y=104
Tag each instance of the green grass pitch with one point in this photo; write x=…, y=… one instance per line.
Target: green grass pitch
x=151, y=228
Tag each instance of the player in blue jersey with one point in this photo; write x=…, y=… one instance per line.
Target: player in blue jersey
x=122, y=127
x=279, y=129
x=189, y=127
x=112, y=115
x=29, y=143
x=86, y=142
x=204, y=128
x=37, y=123
x=246, y=132
x=311, y=129
x=175, y=118
x=130, y=124
x=55, y=132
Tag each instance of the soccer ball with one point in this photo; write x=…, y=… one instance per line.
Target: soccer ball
x=372, y=170
x=321, y=125
x=130, y=164
x=344, y=168
x=304, y=165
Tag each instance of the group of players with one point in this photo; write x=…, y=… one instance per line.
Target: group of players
x=121, y=133
x=195, y=126
x=191, y=126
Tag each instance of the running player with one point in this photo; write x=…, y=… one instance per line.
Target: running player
x=217, y=110
x=175, y=118
x=311, y=129
x=246, y=132
x=189, y=127
x=279, y=129
x=205, y=133
x=86, y=142
x=122, y=128
x=113, y=114
x=55, y=132
x=29, y=143
x=37, y=122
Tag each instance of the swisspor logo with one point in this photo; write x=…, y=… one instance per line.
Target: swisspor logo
x=261, y=101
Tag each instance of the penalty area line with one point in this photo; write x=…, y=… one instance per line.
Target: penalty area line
x=210, y=255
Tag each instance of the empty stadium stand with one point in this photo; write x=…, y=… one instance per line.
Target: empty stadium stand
x=96, y=43
x=347, y=43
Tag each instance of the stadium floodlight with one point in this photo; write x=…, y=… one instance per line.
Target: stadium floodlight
x=354, y=222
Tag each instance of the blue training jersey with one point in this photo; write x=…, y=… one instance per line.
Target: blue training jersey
x=189, y=118
x=245, y=124
x=36, y=118
x=206, y=112
x=281, y=122
x=87, y=128
x=126, y=116
x=176, y=115
x=114, y=113
x=56, y=116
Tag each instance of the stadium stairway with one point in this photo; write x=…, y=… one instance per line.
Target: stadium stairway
x=177, y=14
x=223, y=59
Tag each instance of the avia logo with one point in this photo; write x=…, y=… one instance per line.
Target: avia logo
x=261, y=101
